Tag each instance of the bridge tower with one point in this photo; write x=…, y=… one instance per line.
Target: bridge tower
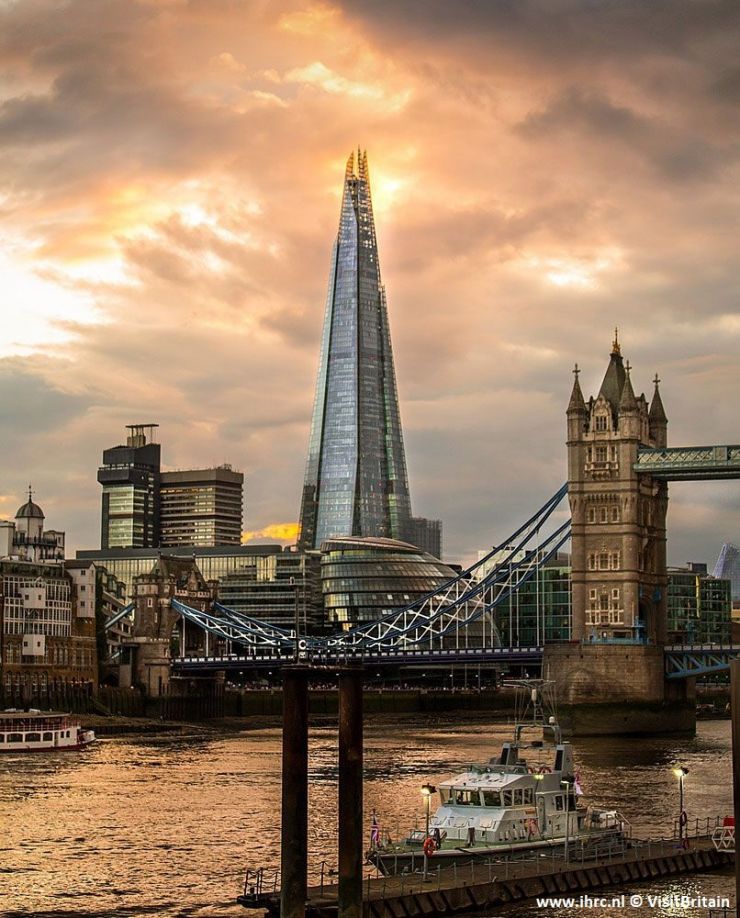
x=619, y=575
x=614, y=664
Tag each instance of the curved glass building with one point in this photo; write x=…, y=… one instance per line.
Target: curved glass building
x=364, y=578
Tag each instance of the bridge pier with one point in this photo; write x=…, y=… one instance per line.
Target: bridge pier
x=350, y=793
x=294, y=821
x=617, y=688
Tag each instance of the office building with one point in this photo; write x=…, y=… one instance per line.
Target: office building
x=699, y=606
x=355, y=482
x=214, y=562
x=201, y=507
x=728, y=567
x=130, y=476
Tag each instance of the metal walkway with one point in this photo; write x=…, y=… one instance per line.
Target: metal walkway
x=690, y=463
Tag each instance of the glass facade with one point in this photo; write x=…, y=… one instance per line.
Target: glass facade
x=356, y=481
x=364, y=579
x=699, y=609
x=539, y=611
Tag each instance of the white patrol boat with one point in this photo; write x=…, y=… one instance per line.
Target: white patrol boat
x=526, y=798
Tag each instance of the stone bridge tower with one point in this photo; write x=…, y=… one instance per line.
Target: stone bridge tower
x=619, y=517
x=614, y=666
x=155, y=636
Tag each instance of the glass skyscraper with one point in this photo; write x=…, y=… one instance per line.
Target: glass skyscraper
x=356, y=482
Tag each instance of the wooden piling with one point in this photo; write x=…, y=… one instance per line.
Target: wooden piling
x=350, y=793
x=294, y=827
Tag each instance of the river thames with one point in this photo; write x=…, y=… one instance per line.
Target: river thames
x=168, y=825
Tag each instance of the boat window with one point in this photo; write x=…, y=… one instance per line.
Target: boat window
x=15, y=738
x=528, y=795
x=466, y=797
x=518, y=799
x=491, y=798
x=33, y=737
x=2, y=737
x=559, y=802
x=507, y=798
x=48, y=737
x=444, y=794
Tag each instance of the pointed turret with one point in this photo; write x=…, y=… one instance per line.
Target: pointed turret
x=577, y=403
x=657, y=417
x=627, y=401
x=611, y=387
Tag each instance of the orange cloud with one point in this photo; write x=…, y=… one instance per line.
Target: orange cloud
x=277, y=532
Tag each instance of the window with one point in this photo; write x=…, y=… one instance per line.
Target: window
x=603, y=515
x=592, y=562
x=528, y=795
x=33, y=737
x=601, y=422
x=604, y=561
x=603, y=601
x=48, y=737
x=601, y=454
x=592, y=514
x=507, y=798
x=615, y=514
x=518, y=799
x=492, y=798
x=614, y=561
x=615, y=593
x=592, y=595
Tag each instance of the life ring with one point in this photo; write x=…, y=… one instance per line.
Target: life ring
x=683, y=818
x=429, y=846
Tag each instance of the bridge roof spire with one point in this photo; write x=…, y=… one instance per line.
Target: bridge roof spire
x=577, y=402
x=611, y=387
x=657, y=411
x=627, y=401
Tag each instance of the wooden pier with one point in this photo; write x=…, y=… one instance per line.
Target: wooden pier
x=481, y=885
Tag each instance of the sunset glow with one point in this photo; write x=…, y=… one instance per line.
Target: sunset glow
x=541, y=172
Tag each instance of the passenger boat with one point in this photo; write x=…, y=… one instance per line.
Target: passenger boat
x=525, y=799
x=41, y=731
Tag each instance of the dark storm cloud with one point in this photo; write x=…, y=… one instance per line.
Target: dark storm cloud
x=553, y=28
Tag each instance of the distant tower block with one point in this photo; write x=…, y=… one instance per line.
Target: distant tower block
x=619, y=517
x=356, y=481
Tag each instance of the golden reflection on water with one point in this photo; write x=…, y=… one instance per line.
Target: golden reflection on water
x=167, y=826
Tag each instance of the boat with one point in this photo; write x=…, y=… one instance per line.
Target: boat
x=41, y=731
x=522, y=801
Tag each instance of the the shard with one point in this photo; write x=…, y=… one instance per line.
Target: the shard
x=356, y=482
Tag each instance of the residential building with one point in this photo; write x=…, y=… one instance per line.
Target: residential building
x=699, y=606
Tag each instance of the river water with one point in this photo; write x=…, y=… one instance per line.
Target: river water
x=167, y=825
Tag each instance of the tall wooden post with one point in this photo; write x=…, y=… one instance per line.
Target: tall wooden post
x=350, y=793
x=294, y=832
x=735, y=704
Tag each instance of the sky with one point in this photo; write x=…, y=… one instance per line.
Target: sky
x=542, y=171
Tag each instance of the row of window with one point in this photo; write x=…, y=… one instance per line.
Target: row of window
x=604, y=561
x=603, y=514
x=598, y=617
x=464, y=797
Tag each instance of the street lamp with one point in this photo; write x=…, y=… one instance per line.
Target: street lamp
x=680, y=772
x=566, y=785
x=427, y=791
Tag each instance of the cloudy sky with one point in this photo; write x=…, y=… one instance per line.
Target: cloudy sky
x=542, y=170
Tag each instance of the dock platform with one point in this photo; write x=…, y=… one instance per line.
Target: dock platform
x=483, y=884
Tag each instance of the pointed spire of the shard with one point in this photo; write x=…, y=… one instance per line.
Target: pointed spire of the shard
x=356, y=481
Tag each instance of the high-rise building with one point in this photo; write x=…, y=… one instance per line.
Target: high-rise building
x=201, y=507
x=130, y=478
x=356, y=482
x=728, y=566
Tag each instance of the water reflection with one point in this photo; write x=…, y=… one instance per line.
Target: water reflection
x=167, y=826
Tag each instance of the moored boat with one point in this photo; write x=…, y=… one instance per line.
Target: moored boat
x=41, y=731
x=521, y=801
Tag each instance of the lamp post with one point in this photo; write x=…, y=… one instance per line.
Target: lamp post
x=566, y=785
x=681, y=773
x=427, y=790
